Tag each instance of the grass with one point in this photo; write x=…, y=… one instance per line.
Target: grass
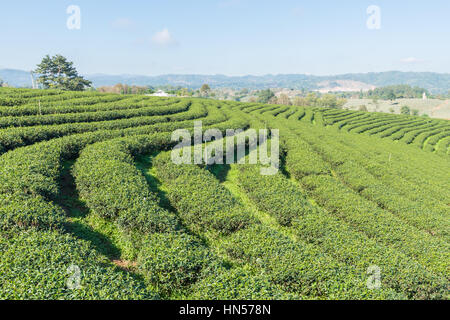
x=429, y=107
x=228, y=176
x=103, y=235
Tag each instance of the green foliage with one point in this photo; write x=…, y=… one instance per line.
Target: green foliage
x=21, y=212
x=397, y=92
x=347, y=197
x=377, y=222
x=405, y=110
x=272, y=194
x=172, y=261
x=94, y=116
x=282, y=199
x=330, y=101
x=264, y=96
x=58, y=73
x=362, y=108
x=298, y=267
x=205, y=89
x=238, y=284
x=35, y=265
x=214, y=209
x=112, y=187
x=11, y=101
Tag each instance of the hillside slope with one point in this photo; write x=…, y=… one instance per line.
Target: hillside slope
x=92, y=206
x=433, y=82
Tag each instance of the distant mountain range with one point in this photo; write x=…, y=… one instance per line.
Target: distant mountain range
x=434, y=82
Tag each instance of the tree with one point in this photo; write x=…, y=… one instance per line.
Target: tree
x=391, y=95
x=273, y=100
x=58, y=73
x=205, y=89
x=399, y=91
x=328, y=100
x=300, y=101
x=362, y=108
x=1, y=82
x=265, y=96
x=415, y=112
x=120, y=88
x=184, y=92
x=284, y=99
x=405, y=110
x=312, y=99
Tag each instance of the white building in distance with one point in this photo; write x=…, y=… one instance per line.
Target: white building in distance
x=161, y=93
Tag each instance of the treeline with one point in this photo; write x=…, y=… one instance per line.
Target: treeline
x=121, y=88
x=312, y=99
x=126, y=89
x=401, y=91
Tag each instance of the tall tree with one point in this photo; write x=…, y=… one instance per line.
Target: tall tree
x=264, y=96
x=312, y=99
x=391, y=95
x=205, y=89
x=58, y=73
x=328, y=100
x=300, y=101
x=284, y=99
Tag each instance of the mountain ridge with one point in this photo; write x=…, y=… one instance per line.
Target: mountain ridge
x=432, y=81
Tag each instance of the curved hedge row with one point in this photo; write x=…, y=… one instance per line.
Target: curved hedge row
x=283, y=199
x=17, y=137
x=30, y=175
x=299, y=267
x=112, y=187
x=239, y=283
x=203, y=204
x=371, y=202
x=106, y=103
x=37, y=265
x=115, y=189
x=425, y=215
x=168, y=258
x=286, y=263
x=96, y=116
x=431, y=252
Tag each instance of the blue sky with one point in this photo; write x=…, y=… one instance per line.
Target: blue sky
x=232, y=37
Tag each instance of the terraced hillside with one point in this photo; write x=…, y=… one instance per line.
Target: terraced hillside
x=92, y=207
x=428, y=134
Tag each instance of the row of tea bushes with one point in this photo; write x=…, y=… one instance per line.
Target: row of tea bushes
x=12, y=138
x=112, y=187
x=96, y=116
x=52, y=265
x=284, y=200
x=209, y=209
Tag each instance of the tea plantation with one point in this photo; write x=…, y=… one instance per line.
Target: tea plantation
x=93, y=207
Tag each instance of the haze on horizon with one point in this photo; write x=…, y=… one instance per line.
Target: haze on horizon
x=229, y=37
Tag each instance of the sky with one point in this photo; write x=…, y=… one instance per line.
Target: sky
x=231, y=37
